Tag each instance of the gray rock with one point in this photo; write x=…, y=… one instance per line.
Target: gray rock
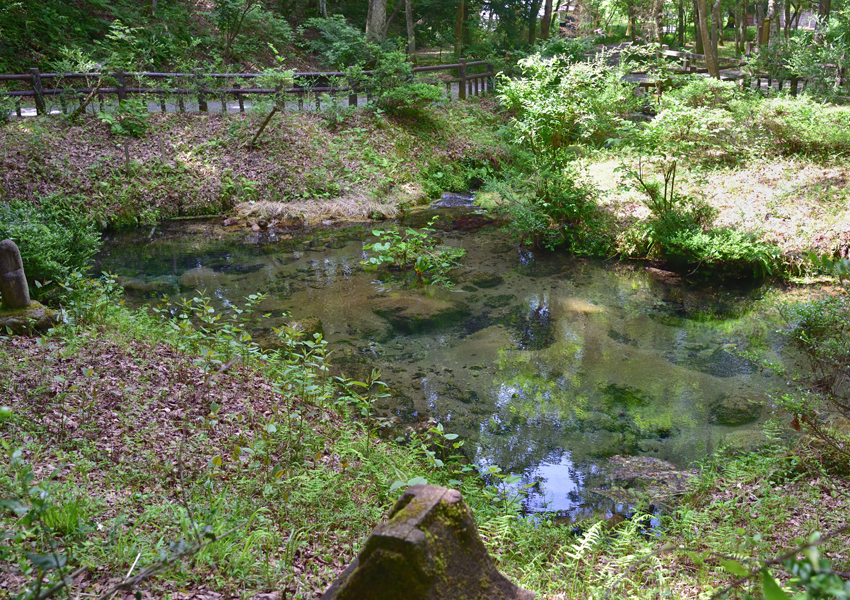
x=734, y=410
x=35, y=317
x=429, y=549
x=14, y=289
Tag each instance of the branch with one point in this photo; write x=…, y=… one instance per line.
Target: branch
x=780, y=559
x=84, y=104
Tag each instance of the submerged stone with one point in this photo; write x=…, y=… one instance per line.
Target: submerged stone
x=429, y=549
x=734, y=410
x=418, y=314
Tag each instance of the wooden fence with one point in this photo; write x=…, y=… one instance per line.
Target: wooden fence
x=202, y=86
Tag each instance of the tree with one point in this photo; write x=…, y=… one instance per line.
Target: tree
x=824, y=7
x=229, y=17
x=547, y=20
x=408, y=17
x=710, y=36
x=376, y=20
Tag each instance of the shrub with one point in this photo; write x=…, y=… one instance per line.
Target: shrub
x=551, y=208
x=339, y=44
x=799, y=125
x=392, y=85
x=54, y=240
x=558, y=103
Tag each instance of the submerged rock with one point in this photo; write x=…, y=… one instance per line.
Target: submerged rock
x=417, y=314
x=200, y=277
x=734, y=410
x=641, y=478
x=140, y=286
x=428, y=549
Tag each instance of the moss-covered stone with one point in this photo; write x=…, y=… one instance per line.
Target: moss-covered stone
x=35, y=317
x=429, y=549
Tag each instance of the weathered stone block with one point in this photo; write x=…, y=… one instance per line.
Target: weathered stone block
x=429, y=549
x=13, y=283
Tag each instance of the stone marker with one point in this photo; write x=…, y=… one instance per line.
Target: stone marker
x=13, y=283
x=429, y=549
x=18, y=314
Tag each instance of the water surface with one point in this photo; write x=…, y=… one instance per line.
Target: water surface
x=548, y=364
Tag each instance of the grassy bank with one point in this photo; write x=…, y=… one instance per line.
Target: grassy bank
x=324, y=165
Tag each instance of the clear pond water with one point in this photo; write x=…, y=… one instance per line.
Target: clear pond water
x=548, y=364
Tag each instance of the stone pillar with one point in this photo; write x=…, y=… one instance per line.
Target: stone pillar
x=13, y=283
x=429, y=549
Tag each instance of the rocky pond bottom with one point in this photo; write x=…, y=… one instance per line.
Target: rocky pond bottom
x=549, y=365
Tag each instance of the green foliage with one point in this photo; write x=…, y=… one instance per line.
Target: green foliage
x=392, y=86
x=340, y=44
x=54, y=239
x=549, y=208
x=680, y=230
x=415, y=250
x=558, y=103
x=129, y=119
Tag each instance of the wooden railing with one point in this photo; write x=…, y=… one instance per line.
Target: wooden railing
x=201, y=85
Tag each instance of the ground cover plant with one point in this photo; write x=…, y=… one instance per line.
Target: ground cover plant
x=192, y=164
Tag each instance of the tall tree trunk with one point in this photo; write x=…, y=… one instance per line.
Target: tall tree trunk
x=390, y=20
x=376, y=21
x=680, y=24
x=709, y=47
x=659, y=21
x=547, y=19
x=716, y=31
x=459, y=29
x=698, y=45
x=631, y=29
x=824, y=7
x=532, y=20
x=408, y=17
x=773, y=8
x=743, y=24
x=787, y=28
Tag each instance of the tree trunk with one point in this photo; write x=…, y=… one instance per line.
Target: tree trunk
x=376, y=21
x=824, y=7
x=680, y=24
x=659, y=21
x=743, y=24
x=716, y=32
x=547, y=20
x=698, y=45
x=532, y=20
x=710, y=49
x=408, y=17
x=390, y=20
x=773, y=14
x=459, y=29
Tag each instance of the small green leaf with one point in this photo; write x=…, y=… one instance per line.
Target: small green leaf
x=734, y=567
x=451, y=436
x=512, y=479
x=47, y=562
x=771, y=588
x=216, y=460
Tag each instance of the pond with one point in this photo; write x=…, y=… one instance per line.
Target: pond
x=548, y=364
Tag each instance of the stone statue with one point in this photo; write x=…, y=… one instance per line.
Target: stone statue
x=429, y=549
x=13, y=283
x=18, y=314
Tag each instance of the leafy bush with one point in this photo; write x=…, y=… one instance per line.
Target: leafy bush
x=558, y=103
x=54, y=240
x=392, y=86
x=130, y=118
x=339, y=44
x=799, y=125
x=550, y=208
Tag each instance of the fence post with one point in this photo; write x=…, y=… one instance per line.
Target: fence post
x=461, y=73
x=491, y=80
x=199, y=85
x=238, y=85
x=352, y=97
x=122, y=89
x=40, y=108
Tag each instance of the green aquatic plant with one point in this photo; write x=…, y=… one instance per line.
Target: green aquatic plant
x=417, y=250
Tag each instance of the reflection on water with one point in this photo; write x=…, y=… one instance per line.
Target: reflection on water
x=548, y=363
